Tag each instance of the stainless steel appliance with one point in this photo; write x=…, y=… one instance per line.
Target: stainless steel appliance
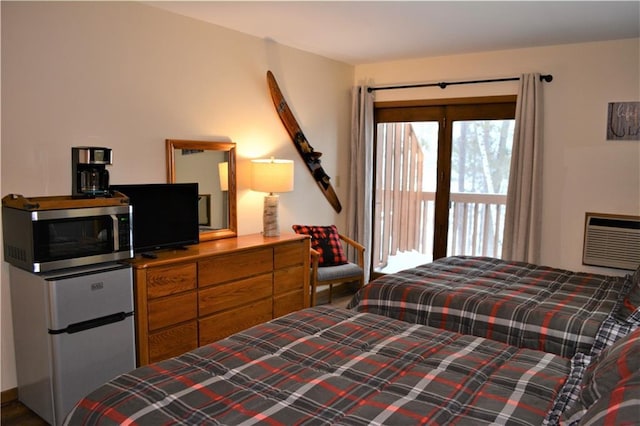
x=73, y=331
x=48, y=233
x=89, y=176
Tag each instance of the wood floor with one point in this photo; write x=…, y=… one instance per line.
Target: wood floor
x=14, y=413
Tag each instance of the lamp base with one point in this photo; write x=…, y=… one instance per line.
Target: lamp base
x=270, y=216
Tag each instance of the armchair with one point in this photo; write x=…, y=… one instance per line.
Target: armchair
x=330, y=275
x=329, y=264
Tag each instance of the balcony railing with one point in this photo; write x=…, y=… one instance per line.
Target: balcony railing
x=476, y=225
x=404, y=211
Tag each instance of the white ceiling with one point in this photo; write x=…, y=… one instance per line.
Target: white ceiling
x=358, y=32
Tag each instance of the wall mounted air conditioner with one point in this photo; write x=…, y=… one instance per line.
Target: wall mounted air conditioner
x=612, y=241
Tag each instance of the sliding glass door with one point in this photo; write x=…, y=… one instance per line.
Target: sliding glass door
x=441, y=181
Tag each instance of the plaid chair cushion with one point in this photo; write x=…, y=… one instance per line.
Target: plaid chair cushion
x=326, y=241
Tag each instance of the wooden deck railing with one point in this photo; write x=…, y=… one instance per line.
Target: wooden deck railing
x=398, y=185
x=476, y=224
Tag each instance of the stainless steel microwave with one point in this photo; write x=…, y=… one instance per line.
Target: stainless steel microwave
x=40, y=240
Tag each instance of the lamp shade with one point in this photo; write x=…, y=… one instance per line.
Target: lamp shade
x=272, y=175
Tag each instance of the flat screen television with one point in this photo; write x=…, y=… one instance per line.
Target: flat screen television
x=165, y=215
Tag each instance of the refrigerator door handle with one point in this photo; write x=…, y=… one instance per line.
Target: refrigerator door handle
x=93, y=323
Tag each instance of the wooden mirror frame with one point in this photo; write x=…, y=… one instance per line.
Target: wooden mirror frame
x=230, y=147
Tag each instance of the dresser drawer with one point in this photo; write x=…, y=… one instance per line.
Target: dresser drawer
x=173, y=341
x=166, y=280
x=290, y=254
x=232, y=267
x=172, y=310
x=219, y=326
x=226, y=296
x=287, y=303
x=288, y=279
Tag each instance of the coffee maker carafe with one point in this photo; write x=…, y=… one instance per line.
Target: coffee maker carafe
x=89, y=175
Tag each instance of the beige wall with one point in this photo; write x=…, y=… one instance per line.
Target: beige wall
x=583, y=172
x=127, y=76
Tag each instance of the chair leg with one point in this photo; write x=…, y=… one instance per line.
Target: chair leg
x=330, y=293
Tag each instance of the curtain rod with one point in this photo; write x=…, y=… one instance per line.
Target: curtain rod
x=443, y=85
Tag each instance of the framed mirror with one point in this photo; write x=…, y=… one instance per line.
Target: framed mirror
x=212, y=164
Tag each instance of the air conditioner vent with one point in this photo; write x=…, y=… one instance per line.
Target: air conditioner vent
x=612, y=241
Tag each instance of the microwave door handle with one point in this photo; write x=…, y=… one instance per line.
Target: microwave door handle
x=116, y=232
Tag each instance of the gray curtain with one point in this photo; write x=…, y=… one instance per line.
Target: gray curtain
x=359, y=202
x=523, y=220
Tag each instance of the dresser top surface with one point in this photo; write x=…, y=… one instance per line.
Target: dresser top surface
x=213, y=248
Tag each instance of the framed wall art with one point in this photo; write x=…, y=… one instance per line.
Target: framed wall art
x=623, y=121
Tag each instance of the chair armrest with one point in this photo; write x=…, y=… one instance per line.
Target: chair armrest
x=315, y=258
x=357, y=246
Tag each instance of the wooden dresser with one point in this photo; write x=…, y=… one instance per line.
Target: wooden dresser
x=188, y=298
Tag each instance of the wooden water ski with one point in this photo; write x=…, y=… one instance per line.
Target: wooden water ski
x=309, y=156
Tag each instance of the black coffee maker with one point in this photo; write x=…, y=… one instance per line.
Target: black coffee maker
x=89, y=176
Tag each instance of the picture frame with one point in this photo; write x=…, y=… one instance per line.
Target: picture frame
x=623, y=121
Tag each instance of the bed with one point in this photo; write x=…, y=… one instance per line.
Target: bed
x=326, y=365
x=524, y=305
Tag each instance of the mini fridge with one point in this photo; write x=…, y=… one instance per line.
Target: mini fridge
x=73, y=331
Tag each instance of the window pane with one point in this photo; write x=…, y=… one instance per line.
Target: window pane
x=407, y=155
x=480, y=162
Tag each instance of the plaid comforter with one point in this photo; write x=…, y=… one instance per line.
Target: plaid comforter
x=521, y=304
x=333, y=366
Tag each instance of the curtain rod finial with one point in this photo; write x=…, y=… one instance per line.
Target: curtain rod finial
x=548, y=78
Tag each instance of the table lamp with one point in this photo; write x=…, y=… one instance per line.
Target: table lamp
x=271, y=176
